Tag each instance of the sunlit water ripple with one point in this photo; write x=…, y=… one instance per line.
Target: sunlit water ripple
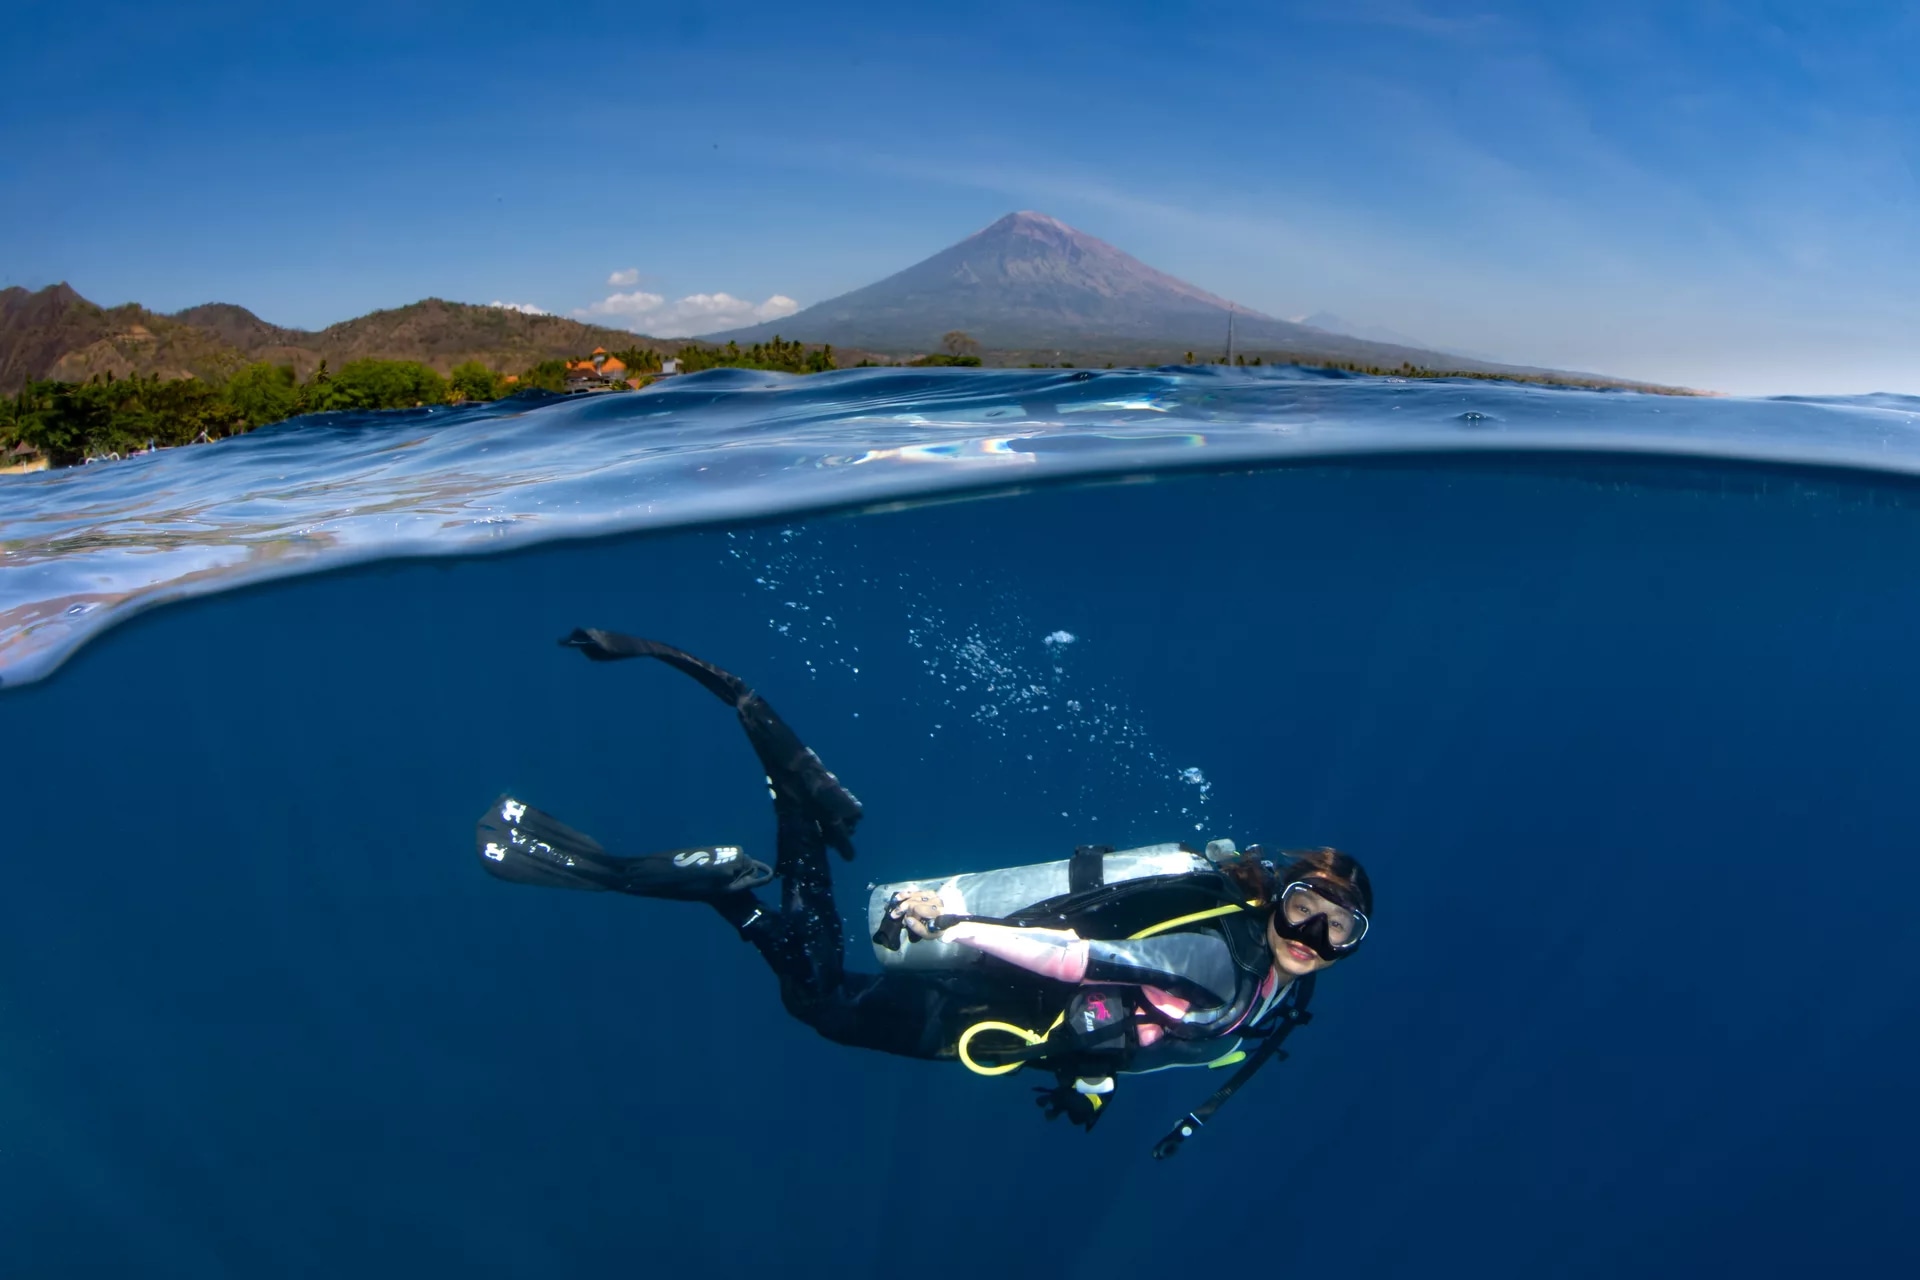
x=83, y=548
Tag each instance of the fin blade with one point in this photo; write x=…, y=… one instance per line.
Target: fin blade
x=519, y=843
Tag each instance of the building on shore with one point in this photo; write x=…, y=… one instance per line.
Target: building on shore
x=598, y=372
x=22, y=458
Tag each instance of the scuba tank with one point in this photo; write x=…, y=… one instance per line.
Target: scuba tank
x=1049, y=894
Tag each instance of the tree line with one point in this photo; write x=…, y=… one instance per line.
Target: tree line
x=108, y=417
x=105, y=417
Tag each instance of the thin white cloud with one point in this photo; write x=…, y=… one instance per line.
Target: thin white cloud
x=625, y=279
x=697, y=313
x=524, y=308
x=625, y=306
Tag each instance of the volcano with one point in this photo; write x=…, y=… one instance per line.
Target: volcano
x=1031, y=282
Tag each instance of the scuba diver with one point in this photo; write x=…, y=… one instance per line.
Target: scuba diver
x=1106, y=963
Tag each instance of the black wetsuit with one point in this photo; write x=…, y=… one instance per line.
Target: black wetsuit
x=921, y=1013
x=915, y=1014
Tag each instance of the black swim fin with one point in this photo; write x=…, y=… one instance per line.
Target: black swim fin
x=519, y=843
x=793, y=770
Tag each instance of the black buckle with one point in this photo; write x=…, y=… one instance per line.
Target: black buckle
x=1087, y=868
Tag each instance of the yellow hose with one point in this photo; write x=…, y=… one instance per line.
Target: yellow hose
x=1034, y=1037
x=1177, y=921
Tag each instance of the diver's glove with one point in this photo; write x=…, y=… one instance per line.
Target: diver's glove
x=916, y=913
x=1079, y=1107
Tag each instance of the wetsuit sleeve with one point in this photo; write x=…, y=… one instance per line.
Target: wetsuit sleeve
x=1059, y=954
x=1194, y=966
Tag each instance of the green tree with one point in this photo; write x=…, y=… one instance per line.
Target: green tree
x=71, y=422
x=548, y=375
x=639, y=361
x=957, y=342
x=263, y=393
x=47, y=418
x=384, y=384
x=776, y=354
x=472, y=380
x=10, y=425
x=318, y=391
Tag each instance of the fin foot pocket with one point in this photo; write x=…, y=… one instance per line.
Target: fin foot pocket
x=693, y=875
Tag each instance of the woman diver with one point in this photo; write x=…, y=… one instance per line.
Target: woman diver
x=1101, y=964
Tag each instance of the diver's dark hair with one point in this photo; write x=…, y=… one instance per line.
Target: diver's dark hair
x=1261, y=877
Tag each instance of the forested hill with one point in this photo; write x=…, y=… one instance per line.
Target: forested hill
x=57, y=334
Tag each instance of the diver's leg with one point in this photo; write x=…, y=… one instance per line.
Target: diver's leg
x=915, y=1015
x=793, y=771
x=806, y=895
x=900, y=1013
x=801, y=939
x=907, y=1014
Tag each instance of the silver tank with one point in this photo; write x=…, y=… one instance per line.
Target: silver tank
x=1006, y=890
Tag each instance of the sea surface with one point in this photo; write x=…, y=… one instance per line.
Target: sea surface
x=1617, y=697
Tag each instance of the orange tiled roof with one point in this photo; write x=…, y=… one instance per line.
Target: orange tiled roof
x=599, y=351
x=613, y=364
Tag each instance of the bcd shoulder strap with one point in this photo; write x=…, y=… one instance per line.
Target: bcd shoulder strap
x=1292, y=1015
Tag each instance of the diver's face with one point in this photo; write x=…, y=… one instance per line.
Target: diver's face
x=1293, y=958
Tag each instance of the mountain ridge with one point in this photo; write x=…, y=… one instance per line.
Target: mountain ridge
x=58, y=334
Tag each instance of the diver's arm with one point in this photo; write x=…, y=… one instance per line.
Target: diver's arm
x=1196, y=967
x=1060, y=954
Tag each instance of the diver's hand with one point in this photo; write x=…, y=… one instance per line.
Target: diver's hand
x=917, y=909
x=1064, y=1100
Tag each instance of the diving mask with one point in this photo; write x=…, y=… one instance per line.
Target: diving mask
x=1311, y=914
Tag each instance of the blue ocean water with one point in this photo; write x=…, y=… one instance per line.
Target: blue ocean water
x=1613, y=694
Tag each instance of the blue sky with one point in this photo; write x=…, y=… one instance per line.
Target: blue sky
x=1713, y=194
